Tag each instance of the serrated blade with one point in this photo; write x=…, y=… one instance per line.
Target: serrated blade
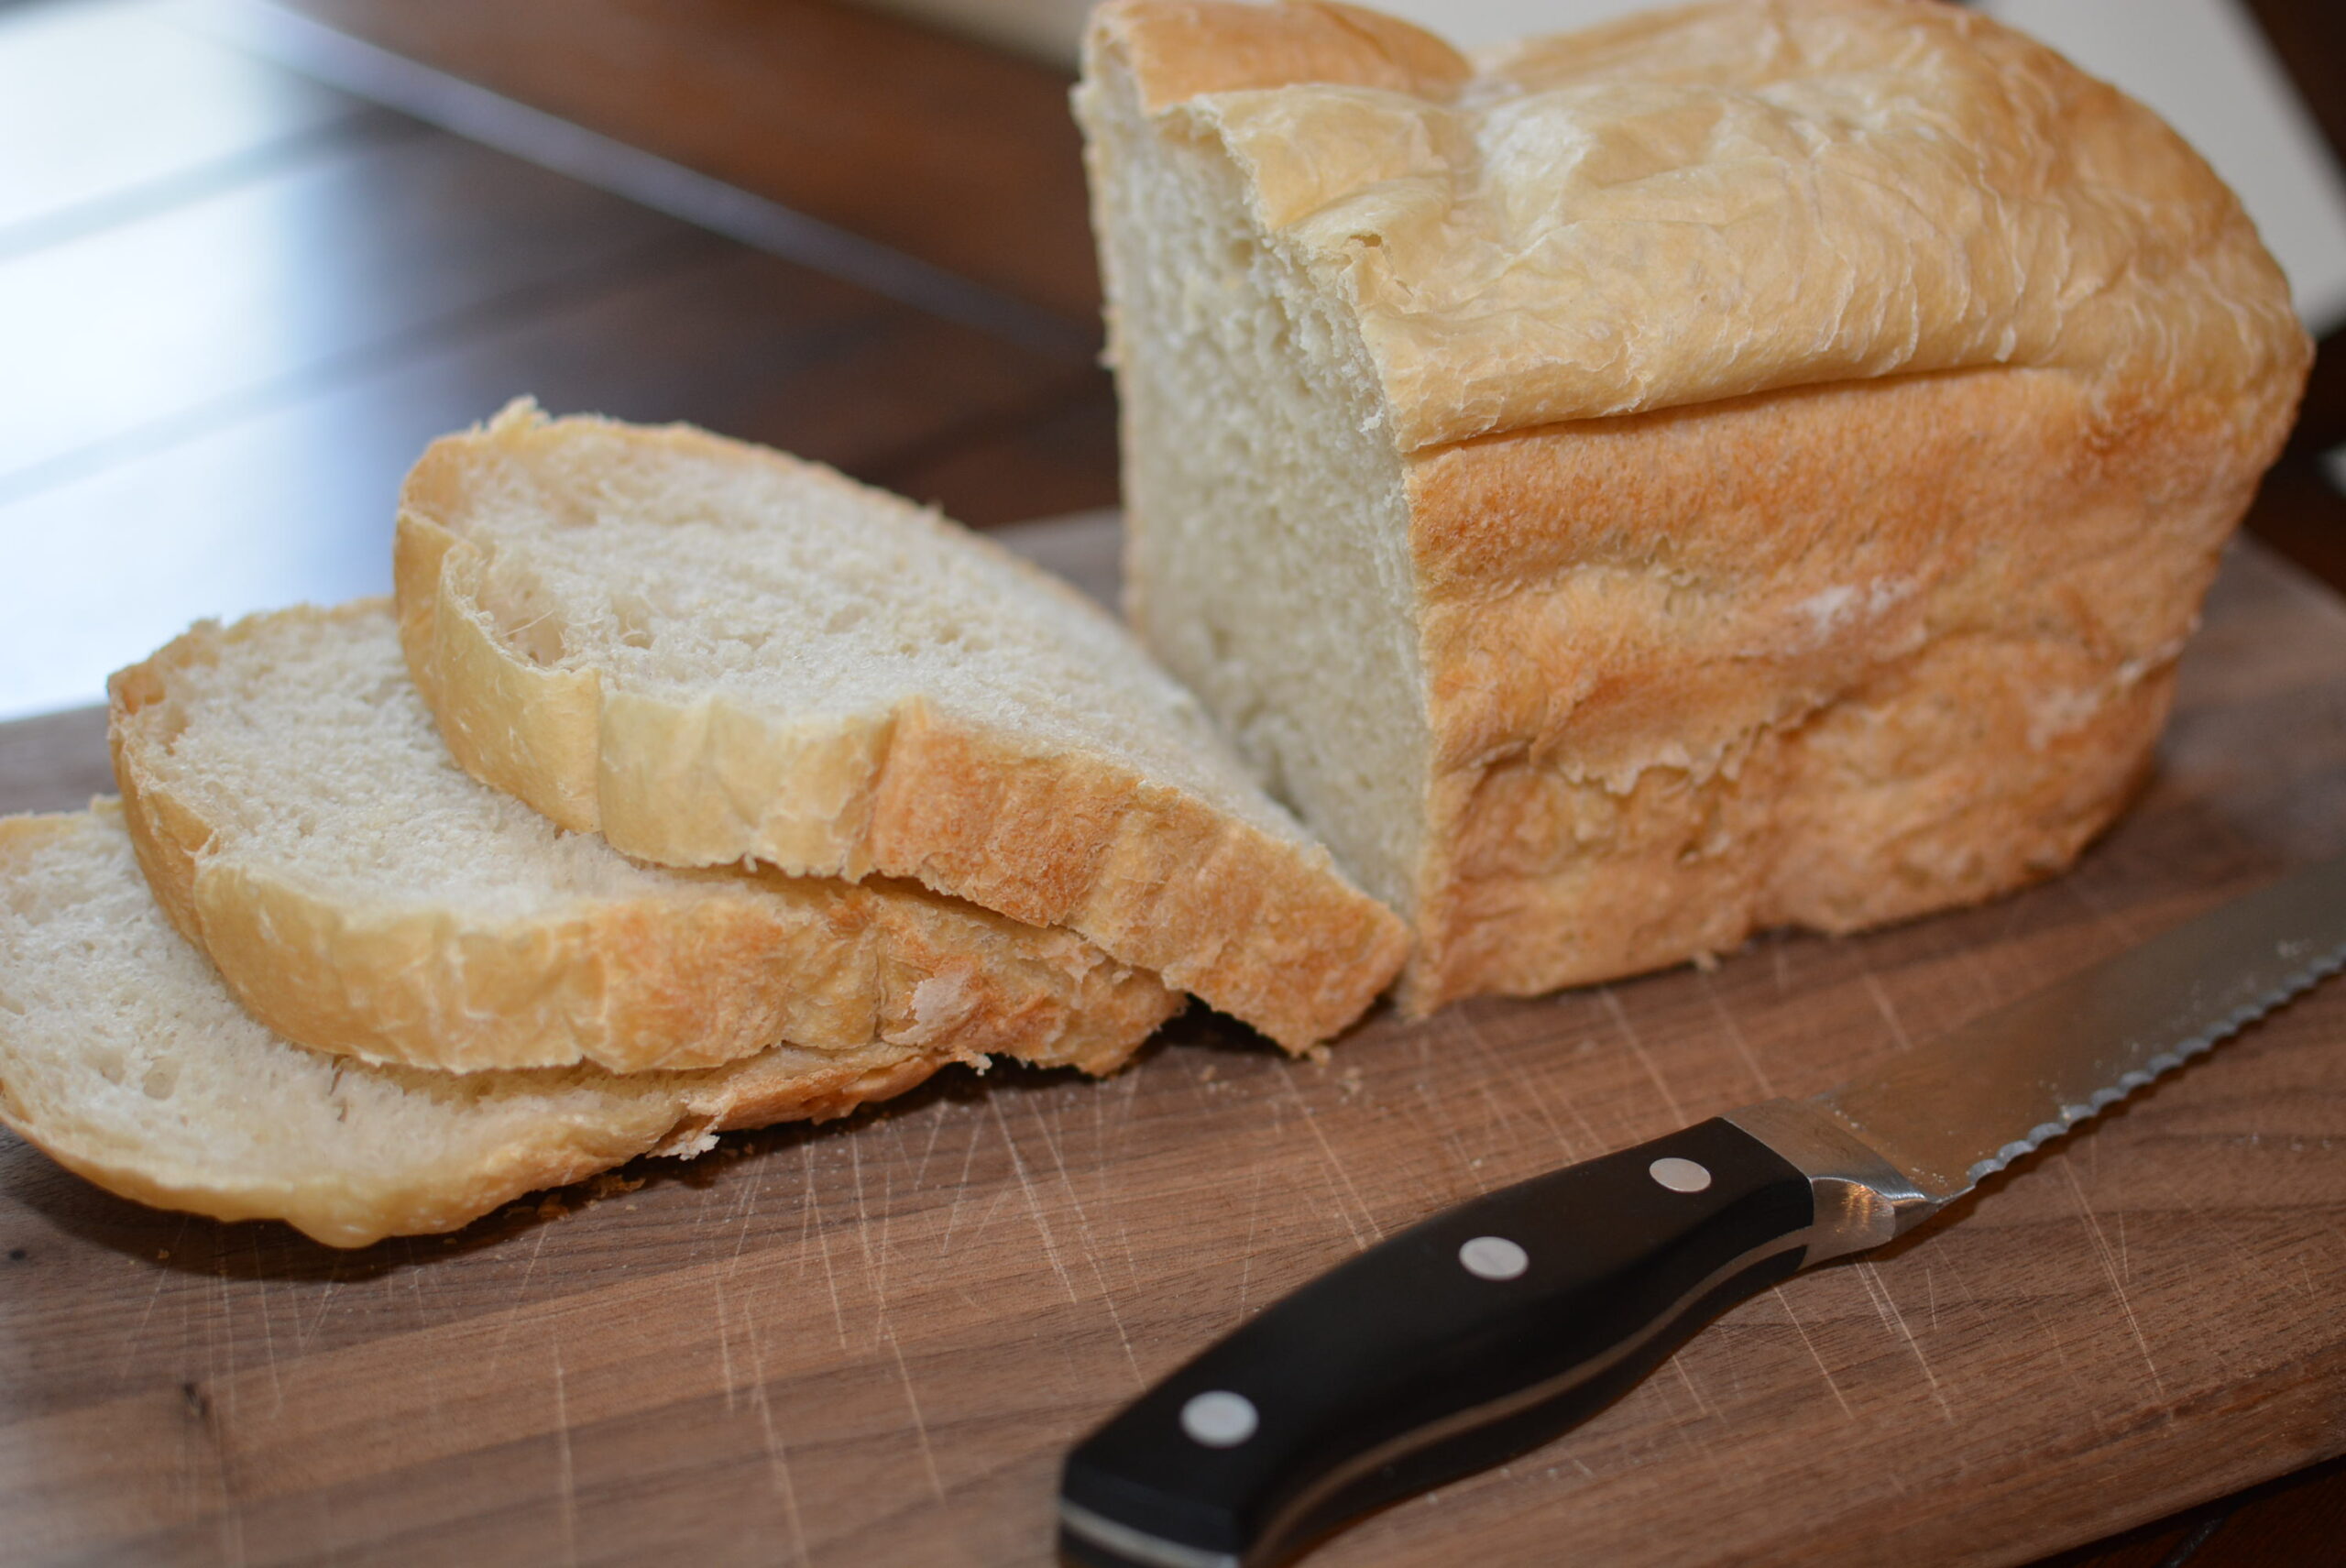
x=1972, y=1101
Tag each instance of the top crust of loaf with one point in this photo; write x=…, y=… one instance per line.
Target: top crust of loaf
x=1187, y=49
x=1162, y=851
x=1705, y=202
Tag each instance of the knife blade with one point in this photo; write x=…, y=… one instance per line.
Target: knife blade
x=1495, y=1326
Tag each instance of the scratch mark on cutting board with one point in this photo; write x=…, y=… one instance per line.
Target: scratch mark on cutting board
x=220, y=1342
x=1091, y=1245
x=1822, y=1370
x=1528, y=1083
x=566, y=1478
x=268, y=1329
x=1034, y=1202
x=1735, y=1033
x=1327, y=1153
x=961, y=1190
x=435, y=1413
x=1254, y=1222
x=725, y=1379
x=513, y=1308
x=920, y=1426
x=1871, y=1274
x=1637, y=1048
x=305, y=1333
x=778, y=1461
x=1882, y=1005
x=122, y=1358
x=232, y=1538
x=873, y=1240
x=936, y=1126
x=1678, y=1365
x=750, y=1185
x=2061, y=1354
x=2117, y=1285
x=723, y=1306
x=823, y=1246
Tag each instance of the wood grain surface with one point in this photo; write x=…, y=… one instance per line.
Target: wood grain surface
x=869, y=1343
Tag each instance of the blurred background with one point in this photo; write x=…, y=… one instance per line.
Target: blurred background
x=254, y=256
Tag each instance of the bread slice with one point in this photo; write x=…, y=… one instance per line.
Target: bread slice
x=706, y=651
x=122, y=1058
x=1743, y=464
x=299, y=820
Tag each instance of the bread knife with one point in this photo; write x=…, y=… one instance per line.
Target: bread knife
x=1495, y=1326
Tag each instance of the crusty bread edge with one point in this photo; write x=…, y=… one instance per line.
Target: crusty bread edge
x=686, y=981
x=740, y=1095
x=1266, y=931
x=2189, y=462
x=1182, y=49
x=563, y=1153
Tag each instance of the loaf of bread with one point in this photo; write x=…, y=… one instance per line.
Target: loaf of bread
x=1748, y=465
x=299, y=820
x=707, y=652
x=122, y=1057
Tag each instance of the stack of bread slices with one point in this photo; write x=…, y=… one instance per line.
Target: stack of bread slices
x=686, y=787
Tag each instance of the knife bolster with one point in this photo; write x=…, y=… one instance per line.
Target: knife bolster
x=1862, y=1200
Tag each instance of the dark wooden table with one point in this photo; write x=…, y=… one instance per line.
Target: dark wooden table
x=278, y=290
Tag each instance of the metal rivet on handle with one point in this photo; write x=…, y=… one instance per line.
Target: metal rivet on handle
x=1218, y=1420
x=1679, y=1175
x=1493, y=1258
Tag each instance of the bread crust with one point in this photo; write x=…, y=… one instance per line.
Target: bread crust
x=1714, y=201
x=1186, y=48
x=1802, y=527
x=345, y=1205
x=716, y=968
x=1827, y=657
x=1265, y=929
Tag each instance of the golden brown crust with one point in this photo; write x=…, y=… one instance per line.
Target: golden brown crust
x=718, y=968
x=356, y=1215
x=1708, y=203
x=1825, y=657
x=551, y=1127
x=1819, y=418
x=1183, y=48
x=1262, y=928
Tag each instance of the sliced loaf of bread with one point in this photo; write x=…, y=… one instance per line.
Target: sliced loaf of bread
x=1739, y=466
x=709, y=651
x=123, y=1058
x=299, y=820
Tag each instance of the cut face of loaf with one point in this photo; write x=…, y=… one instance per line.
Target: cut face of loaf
x=300, y=821
x=123, y=1059
x=707, y=652
x=1748, y=465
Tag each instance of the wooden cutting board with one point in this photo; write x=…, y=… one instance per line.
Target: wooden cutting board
x=869, y=1343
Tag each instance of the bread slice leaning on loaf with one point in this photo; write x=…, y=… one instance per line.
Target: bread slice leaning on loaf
x=300, y=821
x=709, y=652
x=1745, y=464
x=123, y=1059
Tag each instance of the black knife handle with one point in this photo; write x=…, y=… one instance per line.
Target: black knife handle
x=1484, y=1332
